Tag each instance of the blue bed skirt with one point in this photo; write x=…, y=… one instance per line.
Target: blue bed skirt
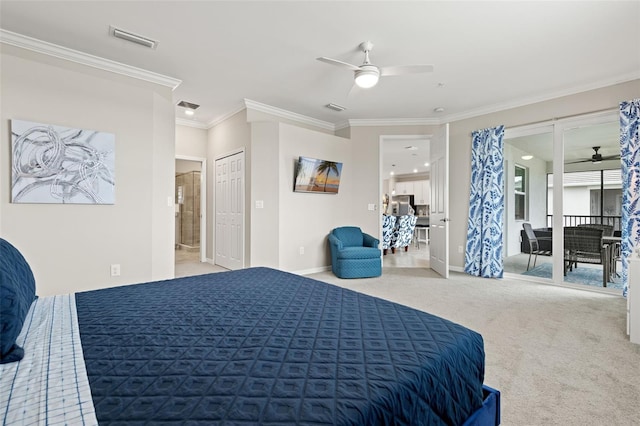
x=489, y=413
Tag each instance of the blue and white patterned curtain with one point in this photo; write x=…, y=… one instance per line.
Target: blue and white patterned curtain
x=483, y=256
x=630, y=158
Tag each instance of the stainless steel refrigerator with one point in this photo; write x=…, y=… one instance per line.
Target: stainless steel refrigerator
x=402, y=204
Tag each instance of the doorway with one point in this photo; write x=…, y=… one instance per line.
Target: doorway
x=190, y=209
x=406, y=190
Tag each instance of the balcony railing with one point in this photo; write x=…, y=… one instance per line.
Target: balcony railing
x=575, y=220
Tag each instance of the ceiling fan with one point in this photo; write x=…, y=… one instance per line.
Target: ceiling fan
x=597, y=157
x=368, y=74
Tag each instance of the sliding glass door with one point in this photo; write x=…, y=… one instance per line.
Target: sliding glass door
x=561, y=174
x=592, y=201
x=528, y=163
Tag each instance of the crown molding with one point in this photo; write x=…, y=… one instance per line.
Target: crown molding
x=342, y=125
x=39, y=46
x=366, y=122
x=191, y=123
x=490, y=109
x=294, y=116
x=226, y=116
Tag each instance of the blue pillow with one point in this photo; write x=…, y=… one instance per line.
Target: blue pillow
x=17, y=292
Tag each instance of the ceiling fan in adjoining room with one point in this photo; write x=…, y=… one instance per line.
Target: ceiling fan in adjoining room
x=596, y=157
x=368, y=74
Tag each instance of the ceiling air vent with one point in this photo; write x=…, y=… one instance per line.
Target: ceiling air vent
x=189, y=105
x=133, y=38
x=336, y=107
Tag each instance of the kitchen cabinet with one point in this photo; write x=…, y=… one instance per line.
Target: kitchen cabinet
x=420, y=189
x=422, y=192
x=404, y=188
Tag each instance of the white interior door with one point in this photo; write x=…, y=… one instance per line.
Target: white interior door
x=439, y=207
x=229, y=220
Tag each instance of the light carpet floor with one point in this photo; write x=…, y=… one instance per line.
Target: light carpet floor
x=559, y=356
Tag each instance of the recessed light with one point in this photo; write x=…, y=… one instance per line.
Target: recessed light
x=527, y=157
x=189, y=112
x=391, y=173
x=411, y=148
x=415, y=170
x=439, y=109
x=426, y=164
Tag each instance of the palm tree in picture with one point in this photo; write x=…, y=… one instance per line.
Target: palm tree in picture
x=327, y=167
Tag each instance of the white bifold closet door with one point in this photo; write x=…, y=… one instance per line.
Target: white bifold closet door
x=229, y=208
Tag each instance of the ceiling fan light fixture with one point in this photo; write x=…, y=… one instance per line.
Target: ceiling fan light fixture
x=367, y=76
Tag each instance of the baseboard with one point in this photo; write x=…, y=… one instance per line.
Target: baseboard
x=312, y=270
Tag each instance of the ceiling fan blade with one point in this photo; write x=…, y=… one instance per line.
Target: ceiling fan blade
x=405, y=69
x=339, y=63
x=610, y=157
x=355, y=91
x=588, y=160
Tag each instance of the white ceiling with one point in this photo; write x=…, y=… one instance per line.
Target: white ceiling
x=487, y=55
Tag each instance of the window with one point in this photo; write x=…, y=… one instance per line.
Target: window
x=520, y=189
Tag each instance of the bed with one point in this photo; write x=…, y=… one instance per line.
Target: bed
x=255, y=346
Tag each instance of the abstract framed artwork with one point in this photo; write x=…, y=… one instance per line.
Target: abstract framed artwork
x=314, y=175
x=60, y=165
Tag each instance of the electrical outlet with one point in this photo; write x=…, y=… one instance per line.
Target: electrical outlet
x=115, y=270
x=301, y=250
x=460, y=249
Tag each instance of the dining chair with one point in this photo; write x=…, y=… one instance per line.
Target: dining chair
x=585, y=245
x=534, y=245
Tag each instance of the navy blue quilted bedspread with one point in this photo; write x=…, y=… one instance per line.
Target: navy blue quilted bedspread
x=265, y=346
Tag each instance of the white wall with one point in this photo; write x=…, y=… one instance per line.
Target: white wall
x=70, y=247
x=305, y=219
x=265, y=184
x=186, y=166
x=191, y=141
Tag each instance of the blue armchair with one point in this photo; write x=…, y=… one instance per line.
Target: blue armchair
x=354, y=254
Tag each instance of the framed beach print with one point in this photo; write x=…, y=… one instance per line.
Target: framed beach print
x=315, y=175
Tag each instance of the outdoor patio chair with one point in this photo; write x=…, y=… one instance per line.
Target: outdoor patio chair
x=534, y=244
x=584, y=245
x=607, y=230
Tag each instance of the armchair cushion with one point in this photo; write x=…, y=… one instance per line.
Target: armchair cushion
x=544, y=236
x=349, y=236
x=354, y=254
x=403, y=233
x=388, y=225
